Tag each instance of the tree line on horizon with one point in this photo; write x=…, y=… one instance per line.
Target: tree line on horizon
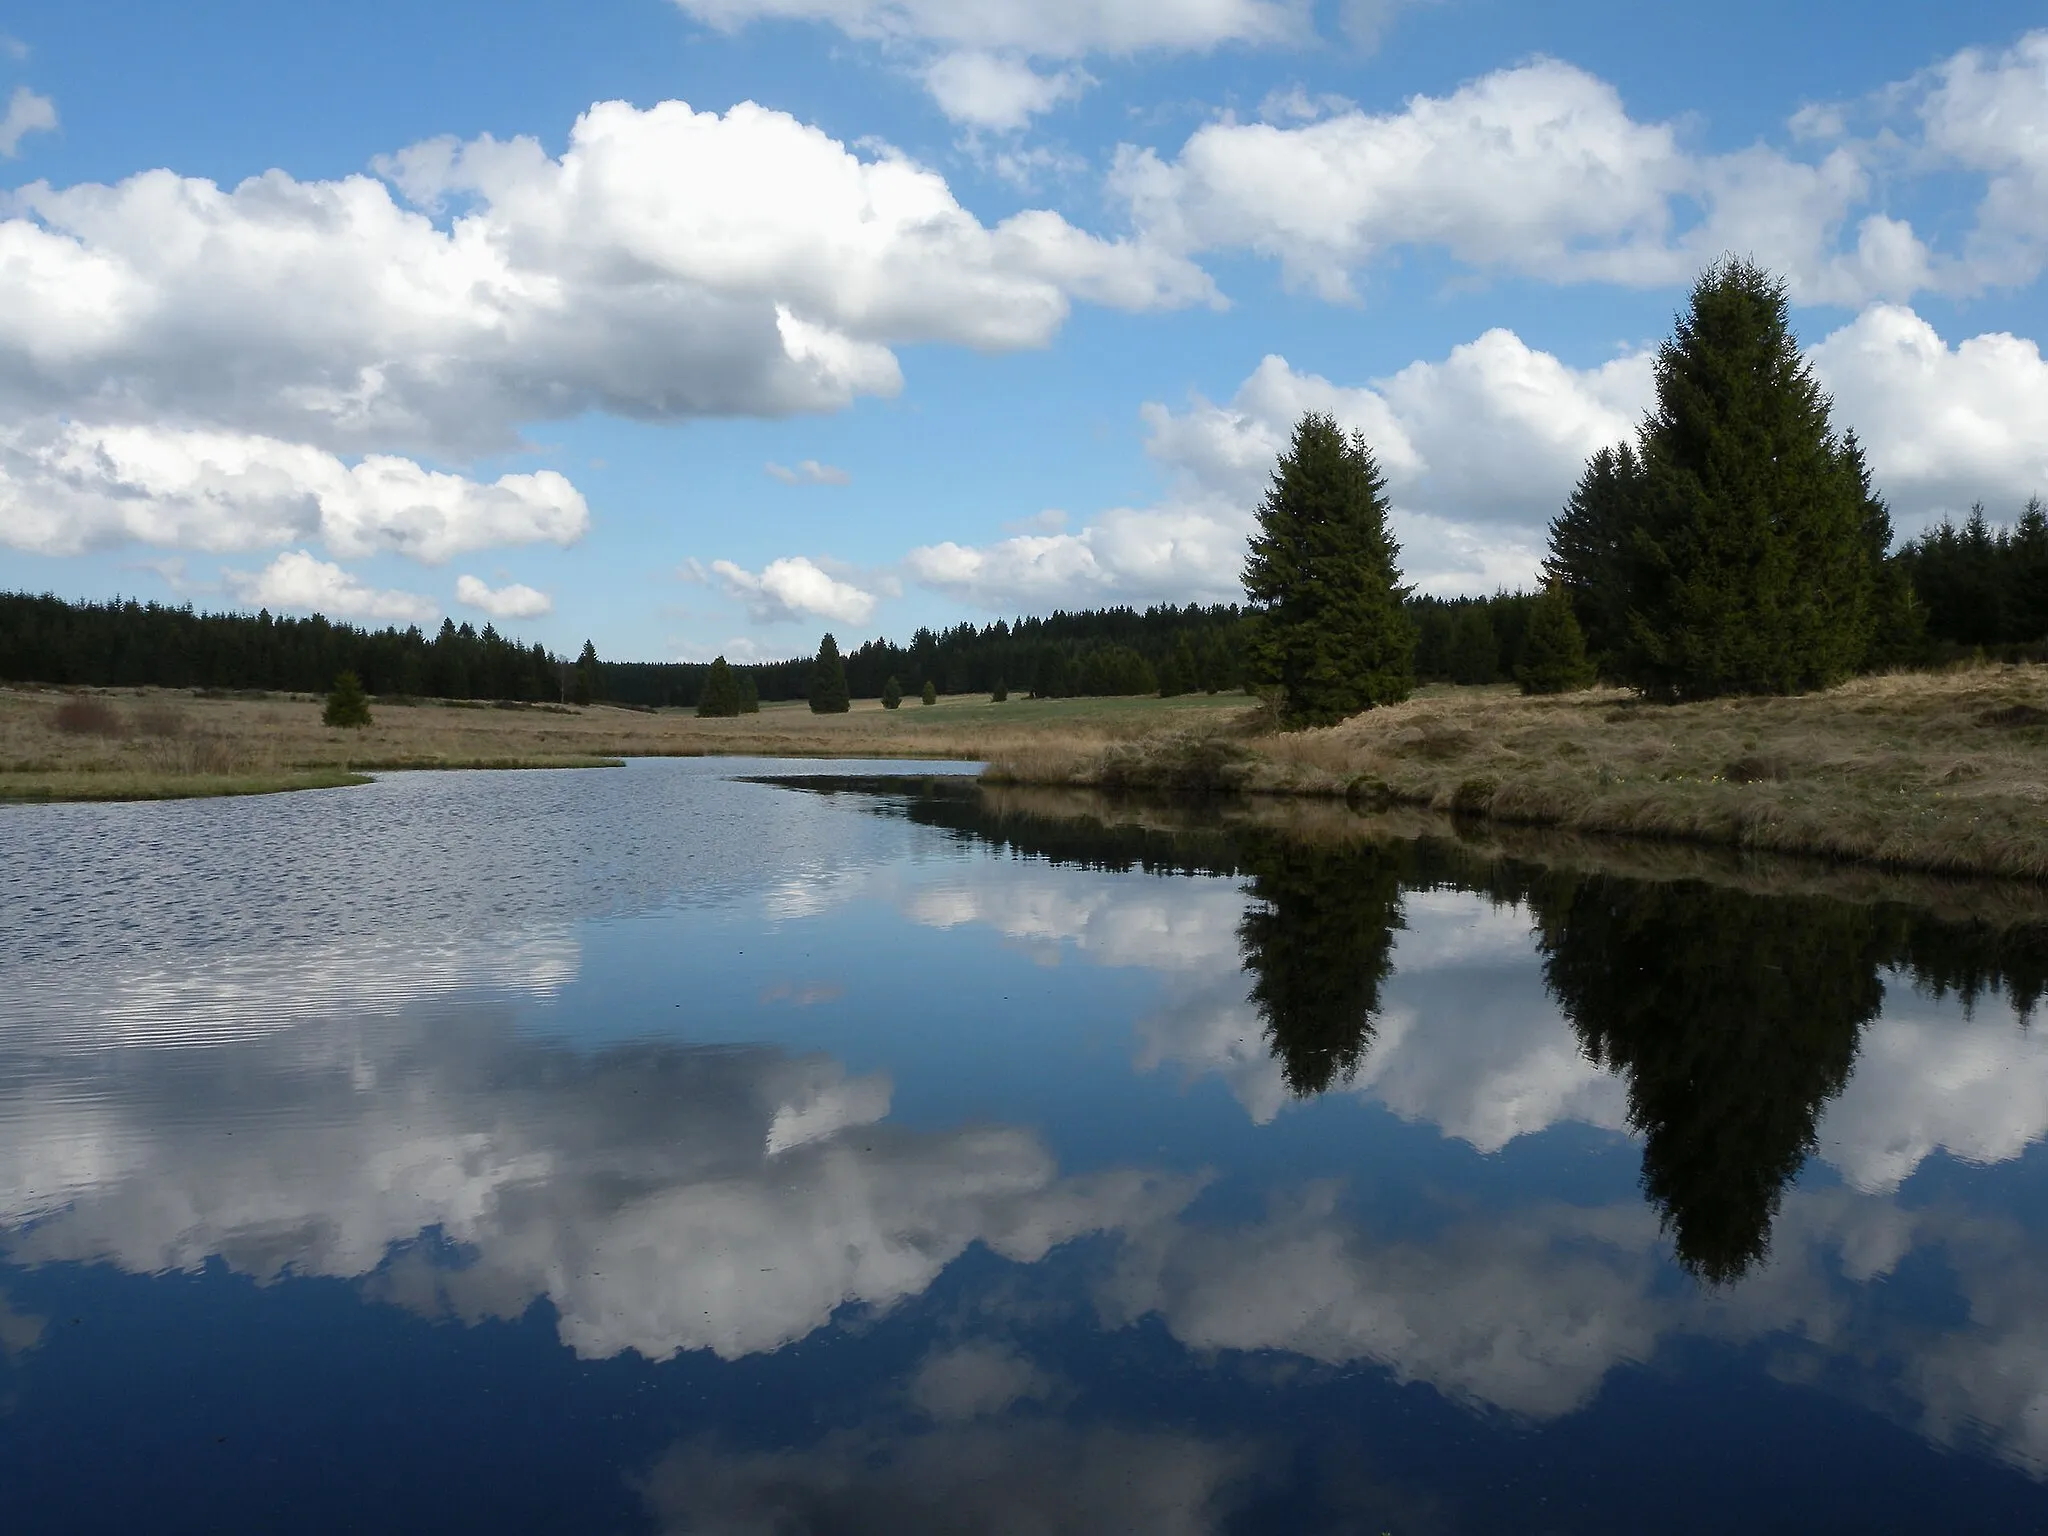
x=1091, y=652
x=1110, y=651
x=130, y=644
x=1103, y=652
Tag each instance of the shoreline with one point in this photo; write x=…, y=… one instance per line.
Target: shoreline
x=1938, y=773
x=1323, y=822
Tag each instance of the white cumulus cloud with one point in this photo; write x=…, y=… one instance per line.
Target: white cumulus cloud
x=793, y=586
x=1943, y=426
x=996, y=91
x=1537, y=170
x=66, y=487
x=1989, y=113
x=511, y=601
x=670, y=263
x=295, y=580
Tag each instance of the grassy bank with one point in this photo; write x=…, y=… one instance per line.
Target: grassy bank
x=1940, y=772
x=154, y=744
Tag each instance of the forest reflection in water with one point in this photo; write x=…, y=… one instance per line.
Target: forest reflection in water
x=1733, y=1010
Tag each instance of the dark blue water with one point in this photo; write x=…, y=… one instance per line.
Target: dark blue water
x=654, y=1150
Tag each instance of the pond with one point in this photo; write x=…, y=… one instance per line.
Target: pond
x=733, y=1146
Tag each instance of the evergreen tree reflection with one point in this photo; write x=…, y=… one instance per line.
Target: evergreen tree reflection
x=1735, y=1018
x=1318, y=943
x=1734, y=1015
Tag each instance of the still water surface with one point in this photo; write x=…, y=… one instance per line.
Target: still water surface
x=659, y=1150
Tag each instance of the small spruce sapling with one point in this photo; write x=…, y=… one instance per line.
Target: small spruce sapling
x=931, y=692
x=348, y=707
x=892, y=694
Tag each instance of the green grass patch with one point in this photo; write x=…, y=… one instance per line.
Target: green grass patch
x=34, y=788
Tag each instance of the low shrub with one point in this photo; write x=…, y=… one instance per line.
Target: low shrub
x=84, y=715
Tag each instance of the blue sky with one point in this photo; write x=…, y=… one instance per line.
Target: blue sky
x=705, y=325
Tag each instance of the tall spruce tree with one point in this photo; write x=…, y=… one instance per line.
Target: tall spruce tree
x=828, y=681
x=720, y=698
x=1324, y=584
x=1747, y=565
x=588, y=686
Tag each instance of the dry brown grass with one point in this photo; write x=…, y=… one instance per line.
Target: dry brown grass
x=155, y=743
x=1941, y=772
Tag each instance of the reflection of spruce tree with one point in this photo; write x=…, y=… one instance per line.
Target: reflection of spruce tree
x=1318, y=942
x=1735, y=1017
